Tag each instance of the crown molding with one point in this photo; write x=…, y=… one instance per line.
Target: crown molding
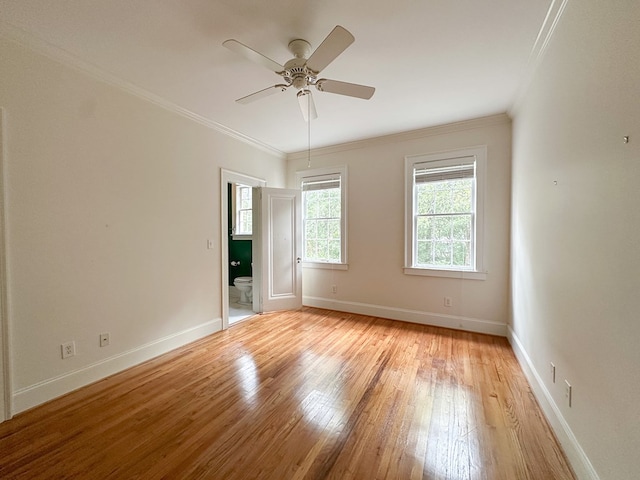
x=57, y=54
x=499, y=119
x=548, y=27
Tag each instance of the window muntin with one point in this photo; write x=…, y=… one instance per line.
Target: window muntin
x=444, y=212
x=323, y=216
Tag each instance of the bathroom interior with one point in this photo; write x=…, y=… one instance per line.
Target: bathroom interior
x=240, y=266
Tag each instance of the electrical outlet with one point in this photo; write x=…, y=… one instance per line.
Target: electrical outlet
x=68, y=349
x=552, y=370
x=448, y=302
x=567, y=392
x=104, y=339
x=334, y=289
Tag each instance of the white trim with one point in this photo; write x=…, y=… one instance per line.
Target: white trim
x=454, y=322
x=59, y=55
x=431, y=272
x=226, y=177
x=575, y=454
x=51, y=388
x=6, y=411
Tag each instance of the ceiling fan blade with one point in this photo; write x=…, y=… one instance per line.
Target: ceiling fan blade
x=332, y=46
x=307, y=105
x=267, y=92
x=344, y=88
x=252, y=55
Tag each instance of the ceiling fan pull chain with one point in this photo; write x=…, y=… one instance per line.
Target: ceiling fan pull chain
x=309, y=132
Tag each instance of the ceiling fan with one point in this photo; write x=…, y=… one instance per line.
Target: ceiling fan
x=301, y=72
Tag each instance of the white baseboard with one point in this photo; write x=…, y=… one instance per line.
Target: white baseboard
x=49, y=389
x=574, y=452
x=415, y=316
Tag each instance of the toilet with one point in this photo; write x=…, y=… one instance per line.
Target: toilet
x=244, y=286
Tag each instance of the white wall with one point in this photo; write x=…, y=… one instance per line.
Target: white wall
x=374, y=282
x=110, y=202
x=576, y=247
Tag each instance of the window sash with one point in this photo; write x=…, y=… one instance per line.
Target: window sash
x=243, y=216
x=324, y=229
x=318, y=247
x=432, y=169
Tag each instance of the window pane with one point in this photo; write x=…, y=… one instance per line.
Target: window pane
x=461, y=254
x=424, y=228
x=334, y=229
x=322, y=210
x=461, y=227
x=322, y=229
x=310, y=229
x=244, y=222
x=441, y=227
x=425, y=253
x=442, y=253
x=442, y=198
x=335, y=210
x=334, y=250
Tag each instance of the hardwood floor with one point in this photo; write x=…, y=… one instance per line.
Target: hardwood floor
x=309, y=394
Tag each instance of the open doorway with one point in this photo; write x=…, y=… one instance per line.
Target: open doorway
x=235, y=248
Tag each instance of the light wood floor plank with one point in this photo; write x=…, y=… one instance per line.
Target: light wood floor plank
x=310, y=394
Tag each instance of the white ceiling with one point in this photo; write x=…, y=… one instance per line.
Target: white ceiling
x=432, y=61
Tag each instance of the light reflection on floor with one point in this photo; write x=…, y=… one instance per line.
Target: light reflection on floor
x=247, y=374
x=323, y=406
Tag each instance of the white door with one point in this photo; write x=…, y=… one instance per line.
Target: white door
x=277, y=249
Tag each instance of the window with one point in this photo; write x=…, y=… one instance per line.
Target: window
x=242, y=208
x=324, y=217
x=444, y=206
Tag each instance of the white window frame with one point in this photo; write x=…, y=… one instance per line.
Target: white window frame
x=309, y=174
x=476, y=271
x=236, y=212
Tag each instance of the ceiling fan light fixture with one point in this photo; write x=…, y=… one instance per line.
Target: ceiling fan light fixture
x=307, y=105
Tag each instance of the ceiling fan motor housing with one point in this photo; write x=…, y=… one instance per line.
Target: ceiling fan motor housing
x=297, y=74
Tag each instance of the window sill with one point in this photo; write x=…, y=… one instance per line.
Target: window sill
x=327, y=265
x=430, y=272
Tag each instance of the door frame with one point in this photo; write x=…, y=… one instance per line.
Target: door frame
x=227, y=177
x=6, y=406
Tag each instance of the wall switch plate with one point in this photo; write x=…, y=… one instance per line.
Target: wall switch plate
x=209, y=244
x=68, y=349
x=552, y=370
x=334, y=289
x=105, y=339
x=448, y=302
x=567, y=392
